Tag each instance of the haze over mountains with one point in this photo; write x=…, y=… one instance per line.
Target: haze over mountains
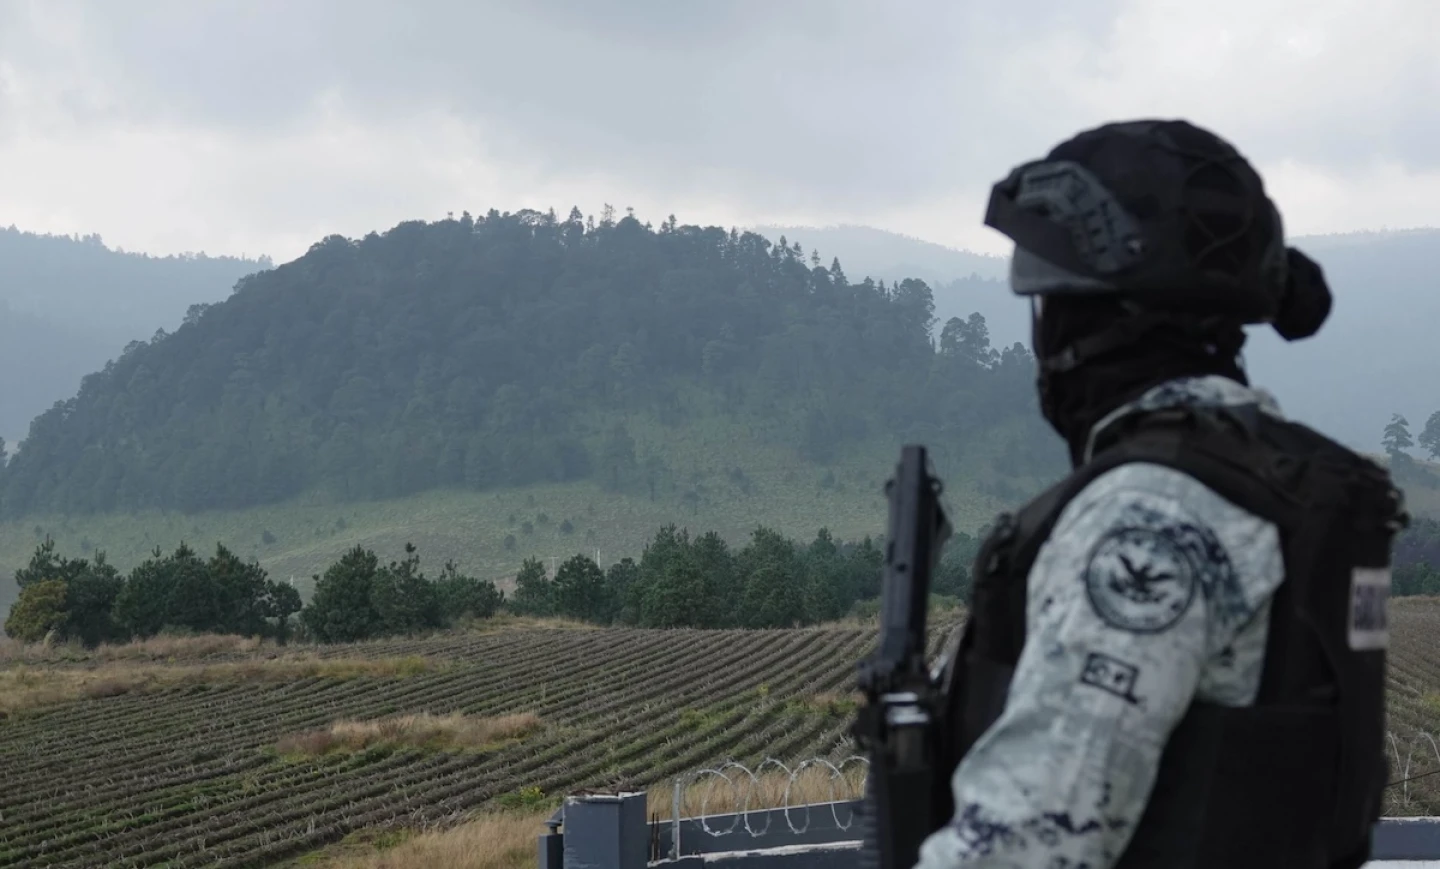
x=865, y=250
x=1374, y=357
x=69, y=304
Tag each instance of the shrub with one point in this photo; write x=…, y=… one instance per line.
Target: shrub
x=39, y=610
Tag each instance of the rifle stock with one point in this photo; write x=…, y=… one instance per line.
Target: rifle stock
x=900, y=724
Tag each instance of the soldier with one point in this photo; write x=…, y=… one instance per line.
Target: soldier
x=1175, y=657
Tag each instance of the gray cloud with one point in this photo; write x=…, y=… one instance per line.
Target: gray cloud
x=819, y=109
x=823, y=101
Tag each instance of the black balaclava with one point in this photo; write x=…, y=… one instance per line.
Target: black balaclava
x=1074, y=401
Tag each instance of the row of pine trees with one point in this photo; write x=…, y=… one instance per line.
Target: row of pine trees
x=678, y=581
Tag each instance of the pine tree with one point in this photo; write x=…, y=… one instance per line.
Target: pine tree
x=403, y=598
x=579, y=589
x=534, y=593
x=1397, y=436
x=1430, y=436
x=341, y=609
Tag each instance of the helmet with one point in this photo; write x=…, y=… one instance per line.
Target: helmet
x=1166, y=215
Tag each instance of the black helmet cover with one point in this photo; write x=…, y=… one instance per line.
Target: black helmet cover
x=1163, y=213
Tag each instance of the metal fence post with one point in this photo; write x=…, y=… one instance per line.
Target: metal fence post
x=606, y=831
x=675, y=819
x=552, y=844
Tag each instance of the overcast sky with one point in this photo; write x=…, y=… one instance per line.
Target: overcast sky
x=259, y=126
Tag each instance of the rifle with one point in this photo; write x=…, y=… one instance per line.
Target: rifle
x=900, y=724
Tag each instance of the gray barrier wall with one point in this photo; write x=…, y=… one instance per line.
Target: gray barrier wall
x=598, y=831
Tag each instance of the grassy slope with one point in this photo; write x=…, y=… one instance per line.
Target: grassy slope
x=470, y=527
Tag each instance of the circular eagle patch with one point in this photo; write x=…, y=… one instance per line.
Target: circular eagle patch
x=1139, y=580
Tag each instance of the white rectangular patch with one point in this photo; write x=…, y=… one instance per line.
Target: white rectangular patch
x=1369, y=604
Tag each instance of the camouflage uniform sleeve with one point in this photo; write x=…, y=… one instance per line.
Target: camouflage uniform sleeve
x=1151, y=591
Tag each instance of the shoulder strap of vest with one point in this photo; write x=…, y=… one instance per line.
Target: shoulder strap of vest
x=1225, y=448
x=1220, y=447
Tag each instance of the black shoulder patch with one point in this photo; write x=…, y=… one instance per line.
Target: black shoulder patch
x=1112, y=675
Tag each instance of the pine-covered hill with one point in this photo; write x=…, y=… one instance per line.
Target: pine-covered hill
x=510, y=350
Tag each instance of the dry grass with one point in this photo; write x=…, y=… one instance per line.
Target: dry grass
x=180, y=648
x=491, y=841
x=199, y=647
x=940, y=613
x=160, y=648
x=27, y=687
x=435, y=732
x=509, y=621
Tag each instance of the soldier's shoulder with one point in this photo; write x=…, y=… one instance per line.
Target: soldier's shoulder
x=1149, y=513
x=1163, y=489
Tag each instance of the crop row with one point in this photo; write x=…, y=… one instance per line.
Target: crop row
x=613, y=700
x=217, y=728
x=452, y=789
x=292, y=779
x=188, y=776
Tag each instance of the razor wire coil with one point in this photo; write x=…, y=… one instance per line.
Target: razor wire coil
x=1414, y=756
x=743, y=784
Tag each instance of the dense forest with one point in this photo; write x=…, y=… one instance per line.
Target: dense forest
x=69, y=303
x=511, y=349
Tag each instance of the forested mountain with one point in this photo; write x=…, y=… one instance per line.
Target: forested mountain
x=513, y=349
x=67, y=304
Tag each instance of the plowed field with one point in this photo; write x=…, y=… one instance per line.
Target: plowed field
x=187, y=774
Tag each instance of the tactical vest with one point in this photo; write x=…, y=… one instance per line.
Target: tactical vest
x=1295, y=781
